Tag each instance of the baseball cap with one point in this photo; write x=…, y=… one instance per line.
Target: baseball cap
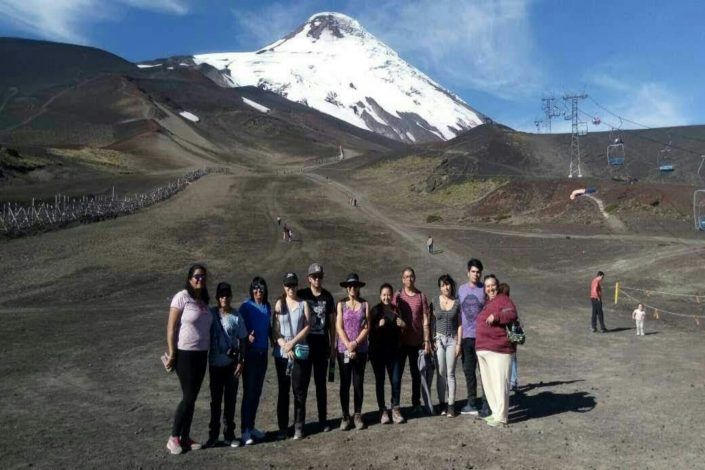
x=290, y=279
x=315, y=268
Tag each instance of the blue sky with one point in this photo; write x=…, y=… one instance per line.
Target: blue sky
x=640, y=59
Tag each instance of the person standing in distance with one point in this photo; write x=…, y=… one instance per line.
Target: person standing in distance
x=321, y=336
x=596, y=300
x=412, y=305
x=472, y=299
x=429, y=244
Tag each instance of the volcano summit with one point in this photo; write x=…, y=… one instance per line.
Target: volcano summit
x=331, y=63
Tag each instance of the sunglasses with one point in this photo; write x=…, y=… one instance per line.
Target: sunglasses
x=258, y=287
x=199, y=277
x=316, y=276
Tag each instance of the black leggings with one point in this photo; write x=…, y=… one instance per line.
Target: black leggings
x=353, y=371
x=190, y=368
x=223, y=385
x=298, y=383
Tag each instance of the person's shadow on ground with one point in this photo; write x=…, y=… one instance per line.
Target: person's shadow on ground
x=525, y=407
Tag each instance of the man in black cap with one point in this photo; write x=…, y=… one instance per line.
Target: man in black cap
x=321, y=336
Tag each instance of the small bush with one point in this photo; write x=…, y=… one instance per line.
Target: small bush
x=433, y=218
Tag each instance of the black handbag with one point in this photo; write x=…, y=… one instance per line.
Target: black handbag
x=515, y=333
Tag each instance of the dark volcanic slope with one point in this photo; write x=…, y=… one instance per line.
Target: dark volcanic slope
x=59, y=95
x=490, y=150
x=29, y=65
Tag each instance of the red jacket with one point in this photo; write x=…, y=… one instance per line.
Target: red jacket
x=494, y=337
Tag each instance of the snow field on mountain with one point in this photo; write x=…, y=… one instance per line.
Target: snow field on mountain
x=336, y=75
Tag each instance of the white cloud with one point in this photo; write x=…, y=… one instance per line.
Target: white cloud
x=68, y=20
x=644, y=103
x=486, y=45
x=267, y=24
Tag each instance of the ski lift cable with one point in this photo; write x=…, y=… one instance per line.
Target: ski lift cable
x=656, y=141
x=638, y=123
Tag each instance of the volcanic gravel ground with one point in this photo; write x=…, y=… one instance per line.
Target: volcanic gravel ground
x=84, y=316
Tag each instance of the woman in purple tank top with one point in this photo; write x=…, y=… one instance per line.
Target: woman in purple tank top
x=352, y=325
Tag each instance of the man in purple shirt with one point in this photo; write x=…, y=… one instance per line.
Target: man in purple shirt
x=472, y=299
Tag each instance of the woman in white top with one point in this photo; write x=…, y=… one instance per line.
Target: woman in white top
x=639, y=314
x=290, y=326
x=188, y=338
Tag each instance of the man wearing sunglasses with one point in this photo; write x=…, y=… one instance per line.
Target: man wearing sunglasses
x=321, y=335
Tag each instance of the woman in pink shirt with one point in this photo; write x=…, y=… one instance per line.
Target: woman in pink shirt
x=188, y=338
x=494, y=351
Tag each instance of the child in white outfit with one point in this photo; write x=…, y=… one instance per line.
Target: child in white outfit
x=639, y=315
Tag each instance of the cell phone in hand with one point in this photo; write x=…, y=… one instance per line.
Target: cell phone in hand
x=165, y=361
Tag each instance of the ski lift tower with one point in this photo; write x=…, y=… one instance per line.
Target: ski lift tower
x=577, y=129
x=550, y=111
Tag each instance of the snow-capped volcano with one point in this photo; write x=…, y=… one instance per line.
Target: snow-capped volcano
x=332, y=64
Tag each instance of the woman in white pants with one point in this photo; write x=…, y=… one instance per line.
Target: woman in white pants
x=448, y=332
x=638, y=315
x=494, y=351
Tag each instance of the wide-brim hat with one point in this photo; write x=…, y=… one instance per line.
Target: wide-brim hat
x=352, y=279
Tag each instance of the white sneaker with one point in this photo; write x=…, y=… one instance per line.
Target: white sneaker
x=234, y=443
x=257, y=434
x=247, y=438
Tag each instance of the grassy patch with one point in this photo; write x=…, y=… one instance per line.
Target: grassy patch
x=93, y=156
x=11, y=160
x=401, y=184
x=611, y=208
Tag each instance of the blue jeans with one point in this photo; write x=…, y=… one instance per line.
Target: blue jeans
x=514, y=377
x=252, y=382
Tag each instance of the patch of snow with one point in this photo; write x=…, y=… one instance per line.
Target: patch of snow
x=411, y=137
x=190, y=116
x=255, y=105
x=148, y=66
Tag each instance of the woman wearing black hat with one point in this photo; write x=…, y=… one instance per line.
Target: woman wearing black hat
x=352, y=325
x=290, y=326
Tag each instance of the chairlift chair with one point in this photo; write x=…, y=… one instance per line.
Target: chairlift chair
x=596, y=121
x=699, y=209
x=615, y=153
x=665, y=164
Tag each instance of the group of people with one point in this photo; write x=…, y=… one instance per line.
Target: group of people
x=308, y=332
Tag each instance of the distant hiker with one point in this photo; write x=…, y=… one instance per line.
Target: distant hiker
x=257, y=314
x=354, y=202
x=386, y=327
x=494, y=350
x=285, y=233
x=638, y=315
x=225, y=359
x=413, y=308
x=504, y=288
x=429, y=244
x=352, y=326
x=188, y=339
x=471, y=297
x=289, y=235
x=448, y=334
x=279, y=220
x=289, y=330
x=321, y=336
x=596, y=300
